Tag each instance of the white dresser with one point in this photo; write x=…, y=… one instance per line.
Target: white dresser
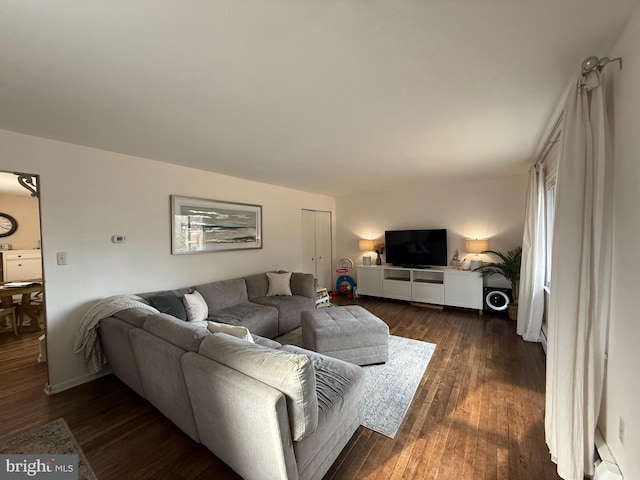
x=18, y=265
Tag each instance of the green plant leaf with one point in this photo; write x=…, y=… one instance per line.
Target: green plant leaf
x=509, y=267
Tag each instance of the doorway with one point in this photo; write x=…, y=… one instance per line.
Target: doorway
x=21, y=273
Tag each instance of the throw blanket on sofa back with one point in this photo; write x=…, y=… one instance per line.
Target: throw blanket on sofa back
x=86, y=341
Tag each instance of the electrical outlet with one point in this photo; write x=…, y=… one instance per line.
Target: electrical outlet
x=61, y=257
x=621, y=430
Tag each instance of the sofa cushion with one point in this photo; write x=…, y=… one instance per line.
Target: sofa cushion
x=339, y=387
x=334, y=378
x=170, y=304
x=178, y=292
x=267, y=342
x=163, y=378
x=289, y=310
x=291, y=373
x=134, y=316
x=259, y=319
x=234, y=330
x=279, y=284
x=257, y=285
x=185, y=335
x=303, y=284
x=224, y=293
x=114, y=338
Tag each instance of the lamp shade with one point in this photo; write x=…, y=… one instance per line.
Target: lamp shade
x=477, y=246
x=365, y=245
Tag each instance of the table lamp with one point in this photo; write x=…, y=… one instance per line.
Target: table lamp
x=366, y=246
x=476, y=246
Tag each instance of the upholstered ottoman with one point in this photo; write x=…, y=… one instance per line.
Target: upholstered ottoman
x=349, y=333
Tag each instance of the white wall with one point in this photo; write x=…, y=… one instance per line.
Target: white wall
x=622, y=389
x=87, y=195
x=481, y=208
x=25, y=210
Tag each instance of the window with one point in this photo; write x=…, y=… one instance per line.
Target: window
x=550, y=209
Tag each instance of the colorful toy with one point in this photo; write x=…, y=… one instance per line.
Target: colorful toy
x=345, y=285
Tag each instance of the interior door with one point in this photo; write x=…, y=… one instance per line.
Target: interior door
x=317, y=246
x=308, y=241
x=323, y=249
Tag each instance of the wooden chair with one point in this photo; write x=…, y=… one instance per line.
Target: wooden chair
x=10, y=312
x=34, y=309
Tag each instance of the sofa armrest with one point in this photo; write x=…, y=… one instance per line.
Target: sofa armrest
x=114, y=338
x=303, y=284
x=242, y=421
x=289, y=373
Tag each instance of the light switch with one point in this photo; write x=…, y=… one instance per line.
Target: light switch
x=61, y=258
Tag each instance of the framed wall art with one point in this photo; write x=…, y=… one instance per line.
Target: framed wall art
x=199, y=225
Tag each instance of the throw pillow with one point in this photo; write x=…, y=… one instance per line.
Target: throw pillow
x=234, y=330
x=279, y=284
x=196, y=307
x=170, y=304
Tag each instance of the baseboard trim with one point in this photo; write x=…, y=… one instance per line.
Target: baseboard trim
x=607, y=469
x=50, y=389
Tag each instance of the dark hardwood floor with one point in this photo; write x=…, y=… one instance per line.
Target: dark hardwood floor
x=477, y=414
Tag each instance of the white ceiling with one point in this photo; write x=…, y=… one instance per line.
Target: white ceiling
x=335, y=97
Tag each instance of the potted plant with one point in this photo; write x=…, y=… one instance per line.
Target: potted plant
x=509, y=268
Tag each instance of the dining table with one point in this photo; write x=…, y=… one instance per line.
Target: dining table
x=25, y=289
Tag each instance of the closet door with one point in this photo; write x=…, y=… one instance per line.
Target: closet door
x=308, y=241
x=323, y=250
x=316, y=246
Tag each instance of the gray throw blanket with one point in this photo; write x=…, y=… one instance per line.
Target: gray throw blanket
x=86, y=341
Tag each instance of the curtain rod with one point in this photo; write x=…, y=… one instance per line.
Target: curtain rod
x=594, y=63
x=552, y=139
x=589, y=64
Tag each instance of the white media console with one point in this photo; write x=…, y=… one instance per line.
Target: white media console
x=438, y=285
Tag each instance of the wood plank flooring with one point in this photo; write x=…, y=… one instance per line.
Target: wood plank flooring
x=477, y=414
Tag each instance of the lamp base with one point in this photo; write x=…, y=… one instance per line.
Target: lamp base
x=366, y=260
x=475, y=264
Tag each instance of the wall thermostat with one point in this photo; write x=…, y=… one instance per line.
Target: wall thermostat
x=118, y=239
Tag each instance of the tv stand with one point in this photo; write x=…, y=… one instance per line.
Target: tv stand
x=433, y=285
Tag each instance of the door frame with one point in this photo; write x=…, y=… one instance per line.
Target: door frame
x=31, y=182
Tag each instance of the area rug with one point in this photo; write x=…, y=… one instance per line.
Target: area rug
x=53, y=437
x=389, y=388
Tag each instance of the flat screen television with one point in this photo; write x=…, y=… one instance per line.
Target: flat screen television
x=416, y=248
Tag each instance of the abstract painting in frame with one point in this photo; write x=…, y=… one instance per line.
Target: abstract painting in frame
x=200, y=226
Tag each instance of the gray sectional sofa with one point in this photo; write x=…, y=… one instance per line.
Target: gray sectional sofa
x=268, y=411
x=244, y=301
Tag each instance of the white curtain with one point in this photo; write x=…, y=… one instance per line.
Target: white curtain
x=532, y=271
x=580, y=280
